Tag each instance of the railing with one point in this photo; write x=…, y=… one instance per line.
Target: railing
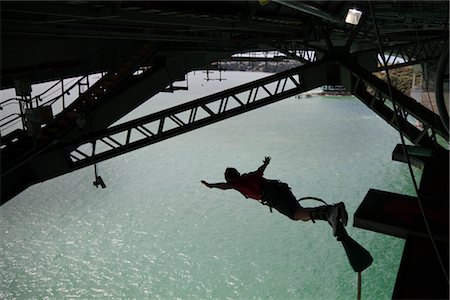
x=67, y=93
x=64, y=88
x=420, y=125
x=13, y=119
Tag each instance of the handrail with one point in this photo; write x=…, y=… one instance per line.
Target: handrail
x=11, y=99
x=10, y=121
x=64, y=91
x=38, y=98
x=9, y=116
x=53, y=100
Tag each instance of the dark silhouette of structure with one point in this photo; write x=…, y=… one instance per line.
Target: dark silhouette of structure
x=142, y=48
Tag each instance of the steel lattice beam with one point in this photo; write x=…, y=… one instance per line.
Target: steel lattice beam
x=195, y=114
x=420, y=125
x=305, y=56
x=409, y=54
x=301, y=52
x=69, y=154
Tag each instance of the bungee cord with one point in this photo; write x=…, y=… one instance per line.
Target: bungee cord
x=402, y=138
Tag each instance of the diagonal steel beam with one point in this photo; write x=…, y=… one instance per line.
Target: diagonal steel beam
x=195, y=114
x=311, y=10
x=420, y=125
x=409, y=53
x=65, y=156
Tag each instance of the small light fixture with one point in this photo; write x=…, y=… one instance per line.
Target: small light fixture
x=353, y=16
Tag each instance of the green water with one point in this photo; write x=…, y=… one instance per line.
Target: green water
x=156, y=233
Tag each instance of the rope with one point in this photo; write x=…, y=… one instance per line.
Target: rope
x=312, y=198
x=402, y=138
x=359, y=286
x=359, y=273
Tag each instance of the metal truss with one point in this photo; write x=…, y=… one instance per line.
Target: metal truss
x=305, y=56
x=168, y=123
x=420, y=125
x=303, y=53
x=410, y=53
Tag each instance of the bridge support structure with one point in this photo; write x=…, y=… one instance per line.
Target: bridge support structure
x=60, y=156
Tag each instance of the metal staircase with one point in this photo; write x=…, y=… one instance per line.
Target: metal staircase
x=96, y=93
x=18, y=143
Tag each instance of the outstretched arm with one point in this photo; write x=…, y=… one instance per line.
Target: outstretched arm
x=266, y=161
x=219, y=185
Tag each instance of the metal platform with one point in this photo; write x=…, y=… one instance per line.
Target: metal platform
x=400, y=215
x=422, y=221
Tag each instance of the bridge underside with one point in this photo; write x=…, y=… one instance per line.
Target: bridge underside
x=142, y=48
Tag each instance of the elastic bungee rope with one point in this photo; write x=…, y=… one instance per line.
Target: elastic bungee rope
x=401, y=113
x=358, y=295
x=359, y=286
x=312, y=198
x=322, y=201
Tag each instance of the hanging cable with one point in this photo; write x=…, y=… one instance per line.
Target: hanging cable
x=359, y=287
x=443, y=63
x=359, y=271
x=425, y=78
x=402, y=138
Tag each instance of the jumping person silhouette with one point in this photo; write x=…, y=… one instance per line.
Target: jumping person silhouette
x=278, y=195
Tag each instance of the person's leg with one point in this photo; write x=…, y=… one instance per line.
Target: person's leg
x=303, y=214
x=278, y=195
x=334, y=214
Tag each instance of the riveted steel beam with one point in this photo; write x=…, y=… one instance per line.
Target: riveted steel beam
x=311, y=10
x=420, y=125
x=195, y=114
x=409, y=53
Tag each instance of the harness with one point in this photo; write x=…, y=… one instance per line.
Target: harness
x=268, y=203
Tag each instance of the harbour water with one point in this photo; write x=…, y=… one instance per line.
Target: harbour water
x=156, y=232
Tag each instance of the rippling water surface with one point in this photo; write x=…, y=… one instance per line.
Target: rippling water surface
x=156, y=232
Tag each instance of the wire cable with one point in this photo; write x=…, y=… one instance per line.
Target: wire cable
x=359, y=286
x=402, y=138
x=443, y=113
x=425, y=76
x=359, y=273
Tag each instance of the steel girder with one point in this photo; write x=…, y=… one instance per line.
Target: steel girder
x=25, y=161
x=420, y=125
x=408, y=54
x=304, y=56
x=61, y=157
x=67, y=156
x=177, y=120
